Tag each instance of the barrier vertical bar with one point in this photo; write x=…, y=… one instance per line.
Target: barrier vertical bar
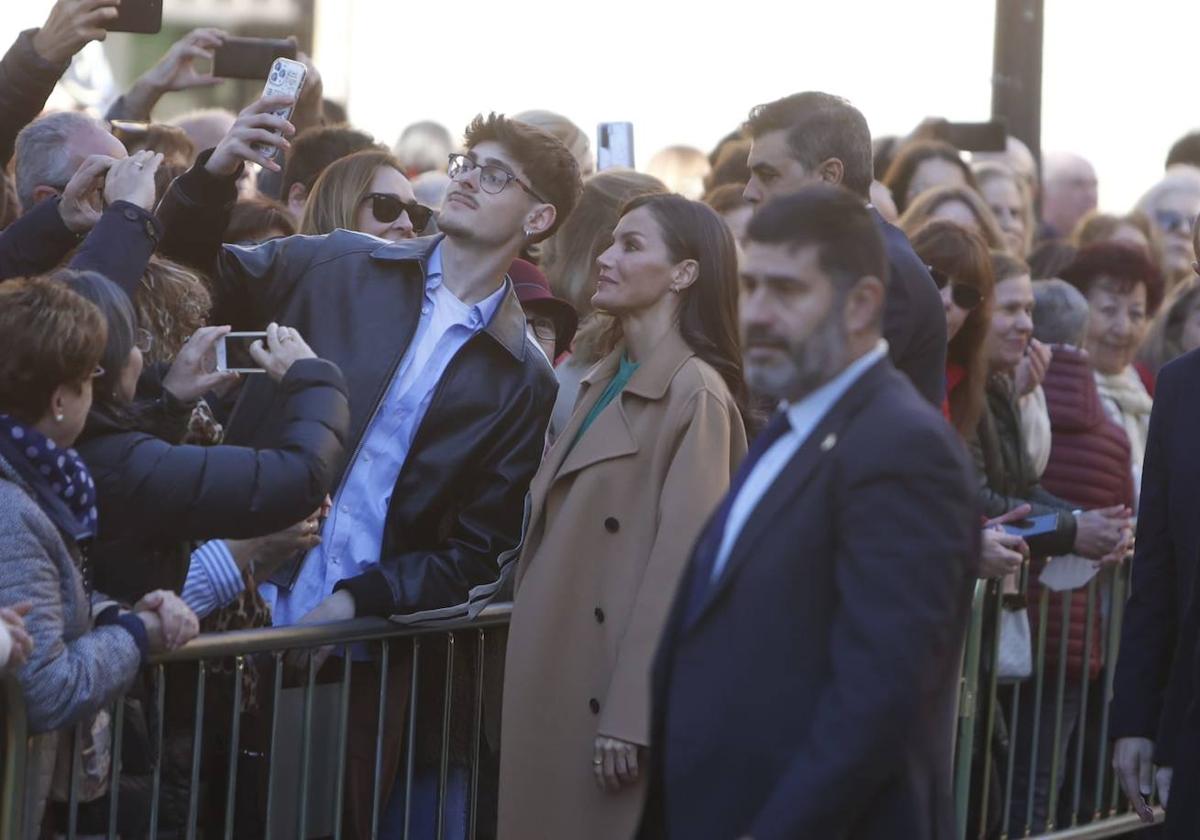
x=197, y=748
x=1084, y=687
x=305, y=750
x=73, y=783
x=235, y=734
x=340, y=785
x=383, y=681
x=16, y=729
x=160, y=697
x=967, y=710
x=114, y=782
x=1116, y=614
x=477, y=734
x=278, y=691
x=1039, y=672
x=444, y=767
x=411, y=758
x=1060, y=702
x=994, y=596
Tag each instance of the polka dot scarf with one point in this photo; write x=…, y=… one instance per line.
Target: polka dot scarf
x=62, y=470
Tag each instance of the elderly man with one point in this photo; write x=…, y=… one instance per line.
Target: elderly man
x=1068, y=193
x=50, y=151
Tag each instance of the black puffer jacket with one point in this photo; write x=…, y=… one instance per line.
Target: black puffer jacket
x=155, y=498
x=1007, y=476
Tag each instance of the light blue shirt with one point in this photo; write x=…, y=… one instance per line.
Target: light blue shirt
x=213, y=579
x=353, y=535
x=803, y=417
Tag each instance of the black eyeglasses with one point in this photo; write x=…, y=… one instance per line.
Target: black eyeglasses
x=492, y=179
x=543, y=327
x=964, y=296
x=386, y=208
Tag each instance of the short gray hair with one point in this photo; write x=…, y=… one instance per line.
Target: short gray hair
x=43, y=153
x=1060, y=313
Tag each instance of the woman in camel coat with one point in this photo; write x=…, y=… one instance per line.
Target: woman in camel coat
x=619, y=501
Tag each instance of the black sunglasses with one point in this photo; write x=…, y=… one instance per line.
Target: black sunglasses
x=964, y=296
x=386, y=208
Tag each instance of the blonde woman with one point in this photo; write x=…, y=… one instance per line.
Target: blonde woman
x=368, y=193
x=961, y=205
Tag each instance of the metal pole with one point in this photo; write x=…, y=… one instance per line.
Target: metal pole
x=1017, y=70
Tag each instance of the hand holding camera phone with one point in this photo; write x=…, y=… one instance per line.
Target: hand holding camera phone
x=285, y=79
x=272, y=352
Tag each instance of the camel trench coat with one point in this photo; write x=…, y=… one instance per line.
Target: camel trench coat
x=612, y=524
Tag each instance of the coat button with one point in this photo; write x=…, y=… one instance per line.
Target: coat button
x=130, y=214
x=599, y=613
x=594, y=705
x=612, y=525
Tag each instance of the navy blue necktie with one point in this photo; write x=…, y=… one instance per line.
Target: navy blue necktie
x=709, y=544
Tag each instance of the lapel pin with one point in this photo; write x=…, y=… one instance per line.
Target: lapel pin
x=829, y=442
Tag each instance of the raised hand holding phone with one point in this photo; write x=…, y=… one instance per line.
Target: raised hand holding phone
x=258, y=125
x=286, y=80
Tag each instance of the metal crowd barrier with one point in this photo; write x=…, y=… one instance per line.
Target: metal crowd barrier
x=1087, y=803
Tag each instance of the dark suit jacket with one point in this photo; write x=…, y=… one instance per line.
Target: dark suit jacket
x=1149, y=702
x=914, y=320
x=812, y=695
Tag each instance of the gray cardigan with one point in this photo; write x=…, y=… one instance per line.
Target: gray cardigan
x=75, y=669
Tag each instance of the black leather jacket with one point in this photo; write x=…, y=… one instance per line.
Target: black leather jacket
x=456, y=513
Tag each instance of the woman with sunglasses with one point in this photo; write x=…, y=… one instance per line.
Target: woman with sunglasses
x=365, y=192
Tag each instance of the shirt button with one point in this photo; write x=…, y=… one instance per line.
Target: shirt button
x=612, y=525
x=594, y=705
x=345, y=508
x=424, y=310
x=599, y=613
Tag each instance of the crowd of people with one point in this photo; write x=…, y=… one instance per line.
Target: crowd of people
x=738, y=438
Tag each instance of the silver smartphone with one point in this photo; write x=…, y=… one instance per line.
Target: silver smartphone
x=285, y=79
x=614, y=145
x=233, y=352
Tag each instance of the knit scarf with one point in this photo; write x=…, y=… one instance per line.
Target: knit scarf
x=1128, y=405
x=61, y=471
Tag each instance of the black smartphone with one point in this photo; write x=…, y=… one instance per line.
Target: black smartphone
x=143, y=17
x=973, y=137
x=250, y=58
x=1035, y=530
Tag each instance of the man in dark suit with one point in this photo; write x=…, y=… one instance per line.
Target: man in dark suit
x=1150, y=697
x=811, y=138
x=805, y=686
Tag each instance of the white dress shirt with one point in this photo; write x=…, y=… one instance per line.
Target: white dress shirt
x=803, y=418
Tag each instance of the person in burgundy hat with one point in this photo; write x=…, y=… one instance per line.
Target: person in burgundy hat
x=552, y=321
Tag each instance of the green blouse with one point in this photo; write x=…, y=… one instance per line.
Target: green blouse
x=615, y=386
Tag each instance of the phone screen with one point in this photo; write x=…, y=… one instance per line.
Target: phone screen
x=233, y=352
x=614, y=145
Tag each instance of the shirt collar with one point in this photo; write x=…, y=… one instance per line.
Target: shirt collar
x=481, y=314
x=801, y=414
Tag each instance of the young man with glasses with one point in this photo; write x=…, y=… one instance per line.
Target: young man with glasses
x=449, y=397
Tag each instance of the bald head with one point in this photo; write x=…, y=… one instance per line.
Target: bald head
x=1069, y=191
x=205, y=128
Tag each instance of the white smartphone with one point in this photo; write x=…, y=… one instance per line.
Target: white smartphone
x=614, y=146
x=233, y=352
x=285, y=79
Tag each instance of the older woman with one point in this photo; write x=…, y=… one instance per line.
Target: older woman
x=51, y=342
x=1173, y=204
x=616, y=506
x=366, y=192
x=1124, y=290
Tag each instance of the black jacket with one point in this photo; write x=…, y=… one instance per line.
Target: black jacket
x=810, y=692
x=457, y=505
x=1150, y=698
x=26, y=82
x=155, y=498
x=914, y=319
x=119, y=246
x=1007, y=477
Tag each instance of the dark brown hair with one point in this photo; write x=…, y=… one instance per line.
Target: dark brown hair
x=726, y=198
x=963, y=257
x=1126, y=266
x=253, y=220
x=552, y=170
x=910, y=157
x=708, y=316
x=1005, y=266
x=731, y=165
x=315, y=149
x=49, y=336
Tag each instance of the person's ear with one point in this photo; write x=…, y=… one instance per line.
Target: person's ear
x=540, y=219
x=41, y=192
x=59, y=400
x=296, y=199
x=684, y=274
x=831, y=171
x=863, y=311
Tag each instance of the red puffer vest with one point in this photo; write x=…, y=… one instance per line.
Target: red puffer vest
x=1090, y=468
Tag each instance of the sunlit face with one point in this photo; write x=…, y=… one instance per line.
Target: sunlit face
x=636, y=271
x=793, y=338
x=933, y=172
x=387, y=181
x=773, y=170
x=1117, y=323
x=1175, y=215
x=958, y=212
x=1004, y=198
x=470, y=213
x=1012, y=323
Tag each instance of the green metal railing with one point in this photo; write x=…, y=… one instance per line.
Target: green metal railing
x=990, y=726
